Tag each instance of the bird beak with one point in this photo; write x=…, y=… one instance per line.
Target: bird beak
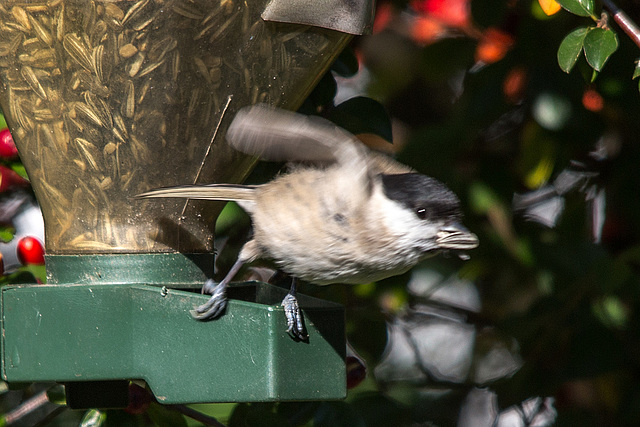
x=456, y=236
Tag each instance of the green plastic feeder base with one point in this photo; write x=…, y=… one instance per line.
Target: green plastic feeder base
x=106, y=333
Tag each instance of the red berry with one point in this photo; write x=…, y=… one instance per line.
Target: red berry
x=493, y=45
x=1, y=265
x=10, y=179
x=454, y=13
x=515, y=84
x=30, y=251
x=592, y=100
x=6, y=180
x=8, y=148
x=356, y=371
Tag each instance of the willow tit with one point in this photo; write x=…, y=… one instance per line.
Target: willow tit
x=349, y=216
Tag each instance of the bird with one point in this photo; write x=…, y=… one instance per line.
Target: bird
x=341, y=214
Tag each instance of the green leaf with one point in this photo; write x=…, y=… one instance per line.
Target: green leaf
x=636, y=71
x=20, y=170
x=483, y=198
x=163, y=416
x=231, y=216
x=363, y=115
x=6, y=233
x=570, y=48
x=611, y=312
x=37, y=271
x=3, y=122
x=24, y=274
x=578, y=7
x=599, y=44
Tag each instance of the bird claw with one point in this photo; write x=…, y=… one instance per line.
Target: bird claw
x=209, y=287
x=295, y=320
x=216, y=304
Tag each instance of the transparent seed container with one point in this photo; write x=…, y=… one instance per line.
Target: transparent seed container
x=107, y=99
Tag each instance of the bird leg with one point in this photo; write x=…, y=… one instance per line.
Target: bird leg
x=295, y=321
x=218, y=301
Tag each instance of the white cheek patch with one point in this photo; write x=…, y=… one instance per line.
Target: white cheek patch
x=408, y=230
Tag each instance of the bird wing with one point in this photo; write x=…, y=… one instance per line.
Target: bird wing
x=388, y=166
x=273, y=134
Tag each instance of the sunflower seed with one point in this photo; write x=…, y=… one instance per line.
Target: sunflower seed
x=128, y=50
x=109, y=148
x=112, y=10
x=98, y=107
x=85, y=112
x=41, y=58
x=20, y=15
x=46, y=136
x=77, y=50
x=98, y=33
x=96, y=61
x=175, y=65
x=106, y=183
x=143, y=24
x=134, y=11
x=56, y=197
x=202, y=69
x=118, y=135
x=86, y=148
x=40, y=31
x=120, y=126
x=80, y=164
x=31, y=79
x=161, y=48
x=88, y=18
x=150, y=67
x=187, y=10
x=143, y=91
x=128, y=105
x=134, y=66
x=60, y=23
x=43, y=115
x=222, y=28
x=10, y=47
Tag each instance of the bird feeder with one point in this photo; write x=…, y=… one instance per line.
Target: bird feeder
x=108, y=99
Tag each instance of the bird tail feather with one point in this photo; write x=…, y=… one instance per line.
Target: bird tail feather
x=205, y=192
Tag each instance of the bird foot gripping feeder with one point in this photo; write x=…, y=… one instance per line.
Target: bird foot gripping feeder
x=108, y=99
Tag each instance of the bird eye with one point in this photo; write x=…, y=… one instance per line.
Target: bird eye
x=422, y=213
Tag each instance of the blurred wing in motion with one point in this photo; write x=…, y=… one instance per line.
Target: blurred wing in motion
x=386, y=165
x=278, y=135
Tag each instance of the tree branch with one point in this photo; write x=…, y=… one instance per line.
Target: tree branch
x=198, y=416
x=623, y=20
